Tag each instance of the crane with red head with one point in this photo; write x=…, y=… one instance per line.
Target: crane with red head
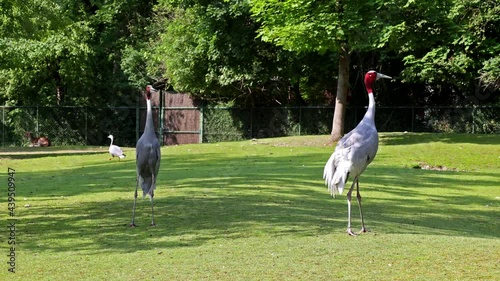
x=148, y=158
x=354, y=152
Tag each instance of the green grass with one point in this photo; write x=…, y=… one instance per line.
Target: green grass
x=258, y=210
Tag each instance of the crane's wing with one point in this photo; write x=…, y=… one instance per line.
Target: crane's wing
x=348, y=140
x=148, y=158
x=336, y=171
x=351, y=156
x=158, y=156
x=364, y=146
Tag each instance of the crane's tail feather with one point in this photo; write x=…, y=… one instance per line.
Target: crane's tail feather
x=329, y=170
x=335, y=177
x=147, y=186
x=122, y=156
x=340, y=178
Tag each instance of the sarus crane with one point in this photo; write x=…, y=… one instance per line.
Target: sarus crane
x=354, y=152
x=148, y=157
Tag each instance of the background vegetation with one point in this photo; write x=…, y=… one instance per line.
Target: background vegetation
x=261, y=52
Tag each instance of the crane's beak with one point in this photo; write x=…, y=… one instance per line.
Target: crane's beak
x=380, y=75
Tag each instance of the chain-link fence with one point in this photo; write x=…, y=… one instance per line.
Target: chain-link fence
x=68, y=125
x=91, y=126
x=237, y=123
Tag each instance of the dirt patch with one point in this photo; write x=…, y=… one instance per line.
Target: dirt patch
x=425, y=166
x=315, y=141
x=40, y=152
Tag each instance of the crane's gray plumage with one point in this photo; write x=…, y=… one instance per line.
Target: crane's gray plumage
x=148, y=157
x=115, y=150
x=354, y=152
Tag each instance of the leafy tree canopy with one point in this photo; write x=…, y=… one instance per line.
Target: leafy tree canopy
x=67, y=52
x=209, y=49
x=451, y=46
x=259, y=52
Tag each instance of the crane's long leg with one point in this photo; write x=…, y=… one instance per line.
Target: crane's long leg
x=153, y=183
x=349, y=230
x=132, y=224
x=152, y=209
x=358, y=195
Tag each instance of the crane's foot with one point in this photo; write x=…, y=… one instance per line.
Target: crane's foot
x=132, y=225
x=363, y=230
x=152, y=224
x=349, y=231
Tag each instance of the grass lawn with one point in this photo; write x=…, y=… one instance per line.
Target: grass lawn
x=257, y=210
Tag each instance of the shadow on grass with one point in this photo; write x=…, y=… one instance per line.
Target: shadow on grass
x=40, y=152
x=197, y=200
x=415, y=138
x=210, y=196
x=42, y=155
x=433, y=202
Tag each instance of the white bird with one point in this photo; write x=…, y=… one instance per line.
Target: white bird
x=115, y=150
x=354, y=152
x=148, y=157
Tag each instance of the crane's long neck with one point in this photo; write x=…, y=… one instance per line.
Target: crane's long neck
x=149, y=127
x=111, y=142
x=370, y=113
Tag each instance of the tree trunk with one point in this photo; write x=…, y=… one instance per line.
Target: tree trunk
x=341, y=99
x=59, y=95
x=54, y=68
x=59, y=88
x=294, y=96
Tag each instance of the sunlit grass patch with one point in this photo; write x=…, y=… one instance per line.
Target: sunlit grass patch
x=259, y=210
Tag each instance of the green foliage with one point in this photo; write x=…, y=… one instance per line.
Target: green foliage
x=231, y=124
x=68, y=125
x=490, y=73
x=221, y=124
x=305, y=26
x=300, y=26
x=67, y=52
x=134, y=65
x=44, y=49
x=252, y=53
x=212, y=53
x=448, y=44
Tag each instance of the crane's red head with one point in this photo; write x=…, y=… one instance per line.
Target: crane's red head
x=372, y=76
x=149, y=89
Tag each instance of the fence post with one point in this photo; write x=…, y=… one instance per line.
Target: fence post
x=160, y=115
x=137, y=119
x=37, y=128
x=472, y=116
x=412, y=118
x=251, y=122
x=300, y=120
x=3, y=126
x=201, y=124
x=86, y=126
